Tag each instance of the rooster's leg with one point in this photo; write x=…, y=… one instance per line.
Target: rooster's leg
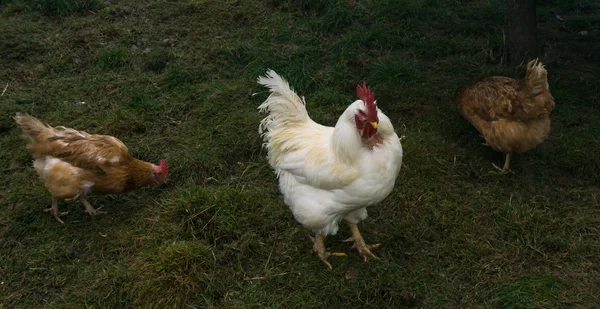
x=88, y=207
x=54, y=210
x=359, y=243
x=319, y=248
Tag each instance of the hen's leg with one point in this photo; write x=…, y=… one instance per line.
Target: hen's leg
x=319, y=248
x=506, y=167
x=88, y=207
x=507, y=162
x=359, y=243
x=54, y=210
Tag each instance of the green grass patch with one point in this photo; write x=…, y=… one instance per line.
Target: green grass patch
x=112, y=58
x=524, y=292
x=176, y=80
x=64, y=8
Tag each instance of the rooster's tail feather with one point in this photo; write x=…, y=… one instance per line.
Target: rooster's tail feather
x=283, y=105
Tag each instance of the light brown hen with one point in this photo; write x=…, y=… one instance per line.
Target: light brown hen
x=74, y=163
x=512, y=115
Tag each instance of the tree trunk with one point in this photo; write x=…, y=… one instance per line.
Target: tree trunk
x=521, y=32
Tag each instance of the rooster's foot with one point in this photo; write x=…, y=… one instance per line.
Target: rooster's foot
x=364, y=250
x=319, y=249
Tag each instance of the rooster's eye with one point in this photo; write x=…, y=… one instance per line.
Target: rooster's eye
x=362, y=115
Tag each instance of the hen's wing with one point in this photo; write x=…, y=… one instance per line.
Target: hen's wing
x=491, y=99
x=83, y=150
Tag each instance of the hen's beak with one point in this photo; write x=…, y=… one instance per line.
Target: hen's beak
x=373, y=124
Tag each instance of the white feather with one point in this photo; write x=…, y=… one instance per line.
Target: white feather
x=86, y=186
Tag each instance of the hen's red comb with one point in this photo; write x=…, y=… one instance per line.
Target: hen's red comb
x=164, y=166
x=364, y=93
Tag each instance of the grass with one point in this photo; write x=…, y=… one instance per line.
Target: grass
x=177, y=80
x=56, y=8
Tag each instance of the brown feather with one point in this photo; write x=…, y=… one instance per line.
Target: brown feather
x=512, y=115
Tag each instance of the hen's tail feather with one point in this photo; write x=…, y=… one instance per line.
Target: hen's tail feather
x=283, y=105
x=31, y=126
x=537, y=77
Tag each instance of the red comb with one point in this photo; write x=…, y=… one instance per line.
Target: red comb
x=164, y=166
x=364, y=93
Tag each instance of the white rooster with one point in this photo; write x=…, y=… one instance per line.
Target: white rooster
x=328, y=174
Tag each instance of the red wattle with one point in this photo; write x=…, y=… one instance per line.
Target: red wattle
x=368, y=132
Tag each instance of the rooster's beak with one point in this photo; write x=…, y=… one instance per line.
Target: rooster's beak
x=373, y=124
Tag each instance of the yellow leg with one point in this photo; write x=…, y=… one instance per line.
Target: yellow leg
x=359, y=243
x=319, y=249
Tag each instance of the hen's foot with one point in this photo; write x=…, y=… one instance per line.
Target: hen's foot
x=57, y=214
x=499, y=171
x=89, y=209
x=94, y=212
x=506, y=168
x=364, y=250
x=319, y=249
